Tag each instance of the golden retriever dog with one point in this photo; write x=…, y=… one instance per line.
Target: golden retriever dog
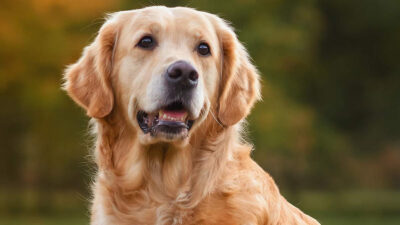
x=168, y=90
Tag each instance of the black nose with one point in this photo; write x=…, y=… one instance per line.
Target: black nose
x=181, y=74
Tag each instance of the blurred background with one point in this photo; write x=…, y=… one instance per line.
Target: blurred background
x=328, y=129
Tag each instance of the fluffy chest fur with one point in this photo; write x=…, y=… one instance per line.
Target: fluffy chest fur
x=167, y=185
x=151, y=204
x=197, y=185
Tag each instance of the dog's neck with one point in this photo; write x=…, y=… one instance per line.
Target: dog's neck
x=166, y=172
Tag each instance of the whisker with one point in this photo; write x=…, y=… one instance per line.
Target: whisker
x=215, y=118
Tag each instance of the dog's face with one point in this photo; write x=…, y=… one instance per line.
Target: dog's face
x=166, y=70
x=170, y=72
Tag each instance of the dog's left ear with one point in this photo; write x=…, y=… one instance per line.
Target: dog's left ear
x=240, y=85
x=88, y=80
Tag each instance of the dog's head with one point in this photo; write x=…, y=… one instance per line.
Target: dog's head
x=165, y=70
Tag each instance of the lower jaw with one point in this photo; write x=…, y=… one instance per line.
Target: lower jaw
x=168, y=133
x=171, y=130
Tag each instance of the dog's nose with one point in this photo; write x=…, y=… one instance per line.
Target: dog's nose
x=182, y=74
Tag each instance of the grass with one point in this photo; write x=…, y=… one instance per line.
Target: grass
x=358, y=220
x=45, y=220
x=331, y=219
x=359, y=207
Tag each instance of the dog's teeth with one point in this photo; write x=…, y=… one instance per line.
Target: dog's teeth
x=165, y=116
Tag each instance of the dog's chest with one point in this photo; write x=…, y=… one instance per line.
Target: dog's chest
x=204, y=214
x=212, y=211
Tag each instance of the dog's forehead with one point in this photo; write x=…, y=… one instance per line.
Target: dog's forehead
x=178, y=14
x=180, y=20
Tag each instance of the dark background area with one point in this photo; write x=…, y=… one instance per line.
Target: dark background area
x=327, y=129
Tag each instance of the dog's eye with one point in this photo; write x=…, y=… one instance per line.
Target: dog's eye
x=203, y=49
x=147, y=42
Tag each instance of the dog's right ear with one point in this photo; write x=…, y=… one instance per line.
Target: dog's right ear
x=87, y=81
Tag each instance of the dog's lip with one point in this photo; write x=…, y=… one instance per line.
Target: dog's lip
x=172, y=118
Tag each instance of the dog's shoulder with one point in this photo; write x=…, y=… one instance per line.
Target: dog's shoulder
x=244, y=195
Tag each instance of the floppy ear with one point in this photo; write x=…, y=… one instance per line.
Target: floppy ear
x=87, y=81
x=240, y=85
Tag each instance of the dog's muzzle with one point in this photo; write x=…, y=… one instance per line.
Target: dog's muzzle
x=174, y=117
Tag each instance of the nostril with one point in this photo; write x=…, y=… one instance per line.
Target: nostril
x=175, y=73
x=193, y=76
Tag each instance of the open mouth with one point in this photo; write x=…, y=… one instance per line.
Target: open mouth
x=172, y=120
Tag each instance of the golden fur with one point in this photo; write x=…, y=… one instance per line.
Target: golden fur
x=207, y=178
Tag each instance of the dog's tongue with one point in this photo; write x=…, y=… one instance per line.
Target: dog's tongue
x=173, y=115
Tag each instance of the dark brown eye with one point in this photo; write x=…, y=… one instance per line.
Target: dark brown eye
x=147, y=42
x=204, y=49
